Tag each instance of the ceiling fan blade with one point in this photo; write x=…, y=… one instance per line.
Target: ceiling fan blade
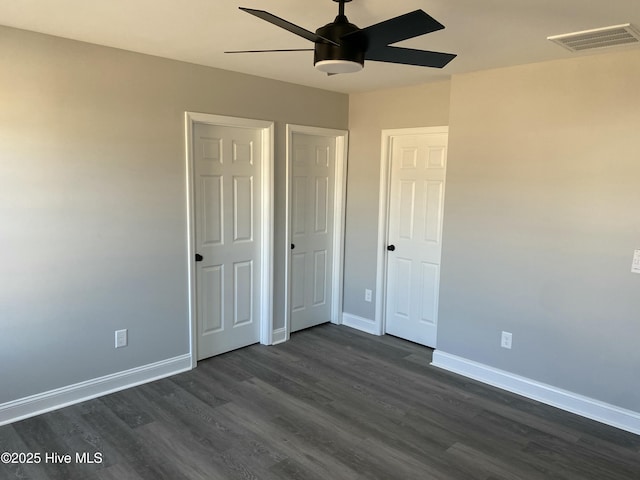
x=409, y=25
x=410, y=56
x=276, y=50
x=291, y=27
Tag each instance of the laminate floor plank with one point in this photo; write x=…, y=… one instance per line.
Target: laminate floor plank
x=297, y=457
x=133, y=453
x=126, y=406
x=117, y=471
x=39, y=437
x=332, y=403
x=349, y=367
x=231, y=440
x=477, y=464
x=12, y=443
x=366, y=406
x=84, y=438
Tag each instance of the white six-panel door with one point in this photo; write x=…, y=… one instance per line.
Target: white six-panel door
x=416, y=202
x=227, y=185
x=312, y=229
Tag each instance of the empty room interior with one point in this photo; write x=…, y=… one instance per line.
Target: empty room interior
x=262, y=242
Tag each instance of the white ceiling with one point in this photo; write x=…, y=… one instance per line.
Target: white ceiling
x=484, y=33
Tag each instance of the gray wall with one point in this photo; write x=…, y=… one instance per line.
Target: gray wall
x=541, y=217
x=541, y=220
x=369, y=113
x=93, y=202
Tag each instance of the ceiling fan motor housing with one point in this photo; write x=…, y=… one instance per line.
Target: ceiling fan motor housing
x=351, y=49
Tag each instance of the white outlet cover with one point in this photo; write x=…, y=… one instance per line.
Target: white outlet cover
x=635, y=265
x=506, y=340
x=121, y=338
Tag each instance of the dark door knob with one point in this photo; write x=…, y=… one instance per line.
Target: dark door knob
x=293, y=245
x=199, y=257
x=391, y=248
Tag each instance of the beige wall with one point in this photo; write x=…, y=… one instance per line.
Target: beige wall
x=93, y=202
x=370, y=113
x=541, y=221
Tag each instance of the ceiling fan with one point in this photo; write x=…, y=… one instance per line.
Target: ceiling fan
x=342, y=47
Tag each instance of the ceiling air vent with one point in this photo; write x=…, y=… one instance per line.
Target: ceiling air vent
x=598, y=38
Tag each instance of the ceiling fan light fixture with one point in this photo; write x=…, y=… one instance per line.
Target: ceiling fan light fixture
x=342, y=47
x=338, y=66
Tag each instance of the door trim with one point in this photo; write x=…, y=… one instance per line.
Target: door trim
x=266, y=202
x=340, y=188
x=383, y=216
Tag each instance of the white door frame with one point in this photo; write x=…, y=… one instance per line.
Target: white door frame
x=383, y=216
x=266, y=213
x=340, y=188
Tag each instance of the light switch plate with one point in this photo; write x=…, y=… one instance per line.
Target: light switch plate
x=635, y=265
x=122, y=338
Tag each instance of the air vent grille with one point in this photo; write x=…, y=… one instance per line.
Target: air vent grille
x=614, y=36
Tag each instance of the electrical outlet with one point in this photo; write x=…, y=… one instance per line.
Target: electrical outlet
x=635, y=264
x=507, y=338
x=121, y=338
x=367, y=294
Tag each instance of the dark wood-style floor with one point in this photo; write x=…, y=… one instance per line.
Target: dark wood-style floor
x=330, y=404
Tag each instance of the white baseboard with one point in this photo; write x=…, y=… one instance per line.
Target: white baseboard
x=572, y=402
x=61, y=397
x=360, y=323
x=279, y=335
